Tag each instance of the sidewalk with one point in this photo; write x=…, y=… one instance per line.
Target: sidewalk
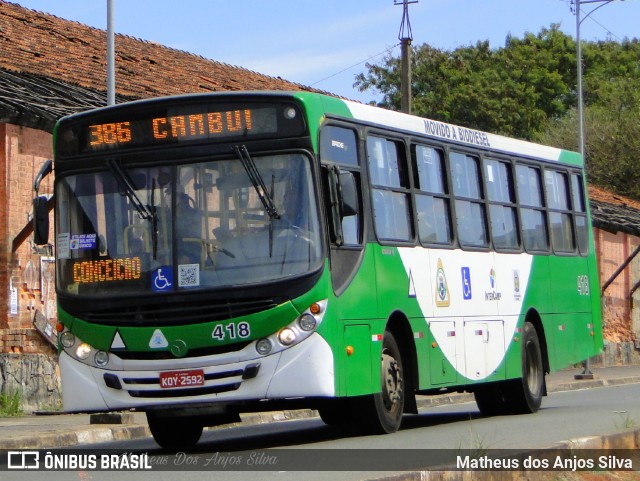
x=42, y=431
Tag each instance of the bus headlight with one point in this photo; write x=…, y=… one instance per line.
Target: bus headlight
x=83, y=351
x=307, y=322
x=101, y=358
x=286, y=336
x=299, y=329
x=67, y=339
x=263, y=346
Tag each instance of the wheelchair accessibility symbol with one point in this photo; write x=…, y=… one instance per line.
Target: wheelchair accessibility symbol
x=162, y=279
x=466, y=283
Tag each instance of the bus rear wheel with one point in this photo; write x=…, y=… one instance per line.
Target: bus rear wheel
x=381, y=413
x=174, y=433
x=525, y=394
x=491, y=400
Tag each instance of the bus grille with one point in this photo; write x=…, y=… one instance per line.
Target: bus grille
x=178, y=313
x=197, y=352
x=215, y=383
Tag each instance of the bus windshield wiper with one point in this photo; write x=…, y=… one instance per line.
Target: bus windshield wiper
x=129, y=190
x=257, y=181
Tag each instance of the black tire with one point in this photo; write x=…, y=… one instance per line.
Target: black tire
x=524, y=395
x=174, y=433
x=335, y=413
x=491, y=400
x=381, y=413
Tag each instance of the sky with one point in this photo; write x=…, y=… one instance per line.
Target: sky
x=326, y=43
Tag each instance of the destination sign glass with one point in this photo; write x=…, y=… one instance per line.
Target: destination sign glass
x=170, y=123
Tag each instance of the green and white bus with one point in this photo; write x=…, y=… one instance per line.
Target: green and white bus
x=227, y=253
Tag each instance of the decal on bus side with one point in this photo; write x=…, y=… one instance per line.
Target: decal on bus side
x=454, y=314
x=442, y=289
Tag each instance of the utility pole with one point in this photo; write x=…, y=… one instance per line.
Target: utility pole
x=405, y=36
x=111, y=55
x=579, y=20
x=586, y=372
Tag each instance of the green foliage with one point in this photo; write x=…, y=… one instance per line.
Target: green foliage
x=527, y=89
x=11, y=404
x=626, y=422
x=511, y=90
x=612, y=133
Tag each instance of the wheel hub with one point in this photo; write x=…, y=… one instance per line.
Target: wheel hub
x=392, y=377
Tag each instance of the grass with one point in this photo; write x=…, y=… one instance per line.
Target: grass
x=11, y=404
x=626, y=421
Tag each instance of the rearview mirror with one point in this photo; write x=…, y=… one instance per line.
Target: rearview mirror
x=40, y=220
x=348, y=194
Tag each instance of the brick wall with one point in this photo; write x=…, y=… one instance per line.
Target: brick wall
x=22, y=151
x=613, y=250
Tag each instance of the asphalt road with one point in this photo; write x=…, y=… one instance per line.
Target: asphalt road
x=563, y=416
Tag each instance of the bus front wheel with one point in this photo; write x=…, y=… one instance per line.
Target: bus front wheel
x=382, y=412
x=174, y=433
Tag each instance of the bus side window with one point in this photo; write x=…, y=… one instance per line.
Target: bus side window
x=560, y=218
x=502, y=209
x=432, y=203
x=338, y=145
x=391, y=201
x=469, y=206
x=579, y=207
x=534, y=222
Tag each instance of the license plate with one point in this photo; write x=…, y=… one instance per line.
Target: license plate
x=173, y=379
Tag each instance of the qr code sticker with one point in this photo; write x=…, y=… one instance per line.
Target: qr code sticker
x=188, y=275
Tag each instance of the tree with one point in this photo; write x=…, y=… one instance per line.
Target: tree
x=511, y=90
x=527, y=89
x=612, y=136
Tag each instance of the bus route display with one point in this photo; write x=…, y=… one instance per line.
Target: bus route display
x=179, y=124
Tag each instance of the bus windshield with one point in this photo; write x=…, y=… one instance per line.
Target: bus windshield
x=184, y=227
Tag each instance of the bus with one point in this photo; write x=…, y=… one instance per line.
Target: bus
x=225, y=253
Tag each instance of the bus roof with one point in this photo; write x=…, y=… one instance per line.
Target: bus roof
x=388, y=119
x=461, y=135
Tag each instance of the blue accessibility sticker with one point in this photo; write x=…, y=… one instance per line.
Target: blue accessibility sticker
x=162, y=279
x=466, y=283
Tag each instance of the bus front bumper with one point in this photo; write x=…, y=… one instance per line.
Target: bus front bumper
x=304, y=370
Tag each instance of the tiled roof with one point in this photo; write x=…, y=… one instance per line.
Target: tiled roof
x=613, y=212
x=35, y=101
x=35, y=44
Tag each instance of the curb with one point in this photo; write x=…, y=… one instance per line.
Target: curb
x=629, y=440
x=108, y=427
x=65, y=439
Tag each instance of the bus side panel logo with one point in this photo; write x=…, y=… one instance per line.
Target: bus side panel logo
x=466, y=283
x=412, y=286
x=442, y=289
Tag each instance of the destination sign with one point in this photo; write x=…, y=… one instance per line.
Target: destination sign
x=105, y=270
x=193, y=126
x=124, y=127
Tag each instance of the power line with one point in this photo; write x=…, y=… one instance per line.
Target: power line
x=609, y=32
x=572, y=8
x=356, y=64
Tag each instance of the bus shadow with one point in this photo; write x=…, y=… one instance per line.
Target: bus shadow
x=309, y=432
